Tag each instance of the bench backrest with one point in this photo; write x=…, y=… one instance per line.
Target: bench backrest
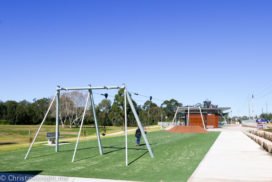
x=51, y=134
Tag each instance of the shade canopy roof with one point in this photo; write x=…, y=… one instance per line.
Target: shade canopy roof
x=206, y=110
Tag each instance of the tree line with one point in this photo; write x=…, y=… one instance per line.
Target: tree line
x=266, y=116
x=71, y=110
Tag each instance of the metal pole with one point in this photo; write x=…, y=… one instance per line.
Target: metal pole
x=125, y=108
x=188, y=121
x=96, y=124
x=202, y=118
x=252, y=100
x=248, y=106
x=139, y=125
x=223, y=117
x=161, y=114
x=78, y=136
x=93, y=88
x=40, y=126
x=175, y=115
x=57, y=119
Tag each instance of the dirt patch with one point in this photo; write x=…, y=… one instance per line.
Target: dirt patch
x=187, y=129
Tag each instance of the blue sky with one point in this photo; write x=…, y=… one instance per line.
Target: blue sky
x=187, y=50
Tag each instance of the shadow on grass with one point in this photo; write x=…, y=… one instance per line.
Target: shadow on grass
x=22, y=172
x=138, y=158
x=104, y=153
x=63, y=151
x=114, y=149
x=7, y=143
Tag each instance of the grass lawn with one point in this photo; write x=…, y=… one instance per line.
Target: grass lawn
x=14, y=137
x=176, y=157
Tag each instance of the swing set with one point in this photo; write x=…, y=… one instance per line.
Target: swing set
x=91, y=98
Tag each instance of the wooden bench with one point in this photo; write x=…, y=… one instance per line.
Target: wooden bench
x=51, y=136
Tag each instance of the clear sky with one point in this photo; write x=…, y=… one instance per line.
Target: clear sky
x=187, y=50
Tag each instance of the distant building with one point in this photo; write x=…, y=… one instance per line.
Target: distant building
x=210, y=113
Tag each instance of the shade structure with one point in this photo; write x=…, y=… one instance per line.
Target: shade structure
x=201, y=116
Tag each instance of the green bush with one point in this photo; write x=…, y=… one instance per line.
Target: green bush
x=3, y=122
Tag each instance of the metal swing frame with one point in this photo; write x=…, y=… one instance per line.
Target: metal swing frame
x=91, y=98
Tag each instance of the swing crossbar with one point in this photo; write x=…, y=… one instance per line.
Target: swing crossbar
x=92, y=88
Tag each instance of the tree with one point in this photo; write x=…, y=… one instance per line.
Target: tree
x=71, y=107
x=36, y=111
x=21, y=113
x=103, y=110
x=266, y=116
x=3, y=110
x=149, y=104
x=170, y=107
x=11, y=111
x=78, y=99
x=151, y=113
x=117, y=110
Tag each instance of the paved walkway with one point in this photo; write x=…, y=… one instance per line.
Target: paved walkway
x=234, y=157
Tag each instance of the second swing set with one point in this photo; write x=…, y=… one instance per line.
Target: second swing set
x=91, y=98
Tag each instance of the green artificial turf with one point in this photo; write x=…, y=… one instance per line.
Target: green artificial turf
x=176, y=157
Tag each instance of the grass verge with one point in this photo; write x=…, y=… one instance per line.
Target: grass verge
x=176, y=157
x=16, y=137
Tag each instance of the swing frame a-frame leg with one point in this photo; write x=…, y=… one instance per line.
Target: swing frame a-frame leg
x=37, y=133
x=126, y=98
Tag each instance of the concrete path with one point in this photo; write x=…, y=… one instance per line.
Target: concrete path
x=234, y=157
